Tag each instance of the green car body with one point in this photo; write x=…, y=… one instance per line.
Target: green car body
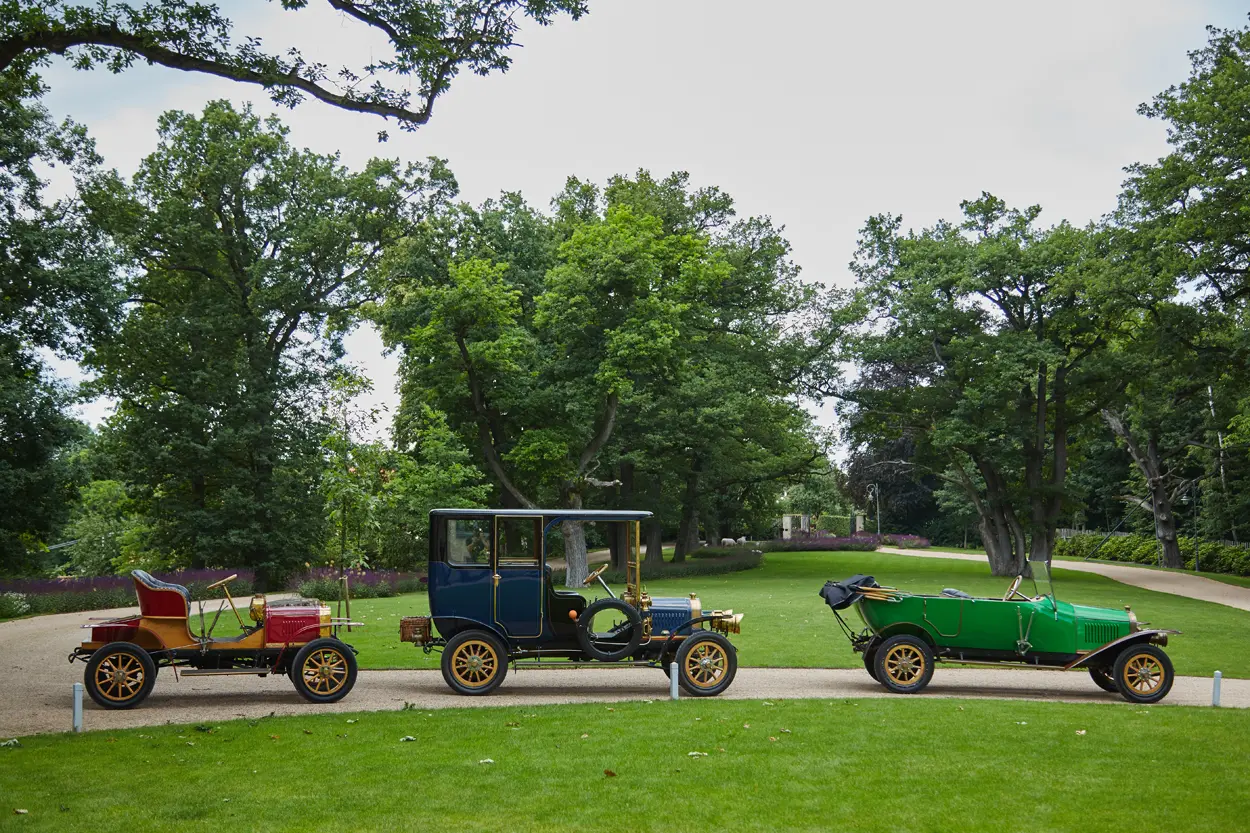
x=907, y=633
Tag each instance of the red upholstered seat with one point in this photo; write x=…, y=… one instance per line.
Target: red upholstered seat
x=160, y=598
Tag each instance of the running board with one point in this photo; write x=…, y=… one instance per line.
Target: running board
x=533, y=664
x=224, y=672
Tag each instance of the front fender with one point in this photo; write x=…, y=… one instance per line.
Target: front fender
x=1099, y=656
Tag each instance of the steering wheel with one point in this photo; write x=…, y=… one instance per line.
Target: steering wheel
x=1014, y=590
x=224, y=581
x=594, y=575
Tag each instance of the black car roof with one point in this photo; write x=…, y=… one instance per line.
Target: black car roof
x=563, y=514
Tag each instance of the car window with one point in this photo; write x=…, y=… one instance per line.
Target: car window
x=468, y=541
x=517, y=541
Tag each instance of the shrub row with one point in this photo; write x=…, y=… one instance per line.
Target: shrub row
x=1144, y=549
x=69, y=594
x=859, y=542
x=323, y=583
x=711, y=561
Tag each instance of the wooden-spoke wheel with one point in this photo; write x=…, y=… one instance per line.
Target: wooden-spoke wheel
x=904, y=664
x=706, y=664
x=474, y=662
x=1143, y=674
x=120, y=675
x=324, y=671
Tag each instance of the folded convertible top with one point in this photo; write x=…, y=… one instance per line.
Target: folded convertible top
x=839, y=595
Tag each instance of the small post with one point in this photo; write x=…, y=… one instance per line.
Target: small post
x=672, y=680
x=1215, y=689
x=77, y=707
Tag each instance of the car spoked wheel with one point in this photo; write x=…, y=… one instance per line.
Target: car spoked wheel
x=1103, y=678
x=324, y=671
x=706, y=664
x=904, y=664
x=609, y=630
x=120, y=675
x=474, y=662
x=1143, y=674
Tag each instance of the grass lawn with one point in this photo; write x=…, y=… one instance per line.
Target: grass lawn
x=788, y=625
x=908, y=764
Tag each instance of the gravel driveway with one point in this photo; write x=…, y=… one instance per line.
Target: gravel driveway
x=37, y=682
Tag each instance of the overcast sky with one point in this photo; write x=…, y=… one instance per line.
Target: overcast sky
x=818, y=114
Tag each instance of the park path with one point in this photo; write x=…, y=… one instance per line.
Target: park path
x=1163, y=581
x=44, y=704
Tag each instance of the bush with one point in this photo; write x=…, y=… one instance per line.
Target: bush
x=13, y=604
x=74, y=593
x=323, y=583
x=1144, y=549
x=711, y=561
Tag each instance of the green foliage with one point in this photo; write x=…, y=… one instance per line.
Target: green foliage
x=250, y=259
x=1212, y=557
x=430, y=42
x=55, y=293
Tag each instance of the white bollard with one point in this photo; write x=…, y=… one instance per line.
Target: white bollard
x=672, y=680
x=77, y=707
x=1215, y=689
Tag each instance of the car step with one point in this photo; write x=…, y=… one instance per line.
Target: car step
x=222, y=672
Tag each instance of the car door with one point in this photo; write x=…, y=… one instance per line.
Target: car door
x=461, y=584
x=518, y=577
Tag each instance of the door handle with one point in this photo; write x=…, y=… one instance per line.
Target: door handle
x=496, y=578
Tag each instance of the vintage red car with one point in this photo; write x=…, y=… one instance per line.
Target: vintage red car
x=296, y=637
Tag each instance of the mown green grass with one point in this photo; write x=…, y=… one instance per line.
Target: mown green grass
x=788, y=625
x=909, y=764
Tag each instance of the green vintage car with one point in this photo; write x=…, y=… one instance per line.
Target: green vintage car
x=907, y=633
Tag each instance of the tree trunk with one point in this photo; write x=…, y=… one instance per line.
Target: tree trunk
x=1150, y=464
x=620, y=537
x=1001, y=531
x=574, y=533
x=576, y=569
x=688, y=529
x=655, y=541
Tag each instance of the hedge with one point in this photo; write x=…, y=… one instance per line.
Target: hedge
x=860, y=542
x=711, y=561
x=69, y=594
x=323, y=583
x=1144, y=549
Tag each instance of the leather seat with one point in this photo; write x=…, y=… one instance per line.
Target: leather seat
x=156, y=596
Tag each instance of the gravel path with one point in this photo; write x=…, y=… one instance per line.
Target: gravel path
x=36, y=684
x=1163, y=581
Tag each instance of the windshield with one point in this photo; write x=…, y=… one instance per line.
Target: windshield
x=1042, y=585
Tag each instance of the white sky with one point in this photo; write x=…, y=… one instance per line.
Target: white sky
x=818, y=114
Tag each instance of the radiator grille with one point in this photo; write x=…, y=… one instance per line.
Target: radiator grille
x=1100, y=633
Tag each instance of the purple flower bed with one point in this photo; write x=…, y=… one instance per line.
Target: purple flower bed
x=69, y=594
x=323, y=583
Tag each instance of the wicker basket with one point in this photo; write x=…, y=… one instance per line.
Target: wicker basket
x=415, y=629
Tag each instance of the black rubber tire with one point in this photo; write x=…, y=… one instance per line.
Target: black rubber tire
x=1121, y=670
x=870, y=663
x=147, y=668
x=587, y=640
x=296, y=672
x=688, y=646
x=915, y=647
x=500, y=662
x=1103, y=678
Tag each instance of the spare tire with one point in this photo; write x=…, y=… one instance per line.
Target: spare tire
x=611, y=645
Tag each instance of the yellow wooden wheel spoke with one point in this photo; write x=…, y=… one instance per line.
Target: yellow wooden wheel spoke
x=474, y=663
x=119, y=677
x=705, y=664
x=325, y=671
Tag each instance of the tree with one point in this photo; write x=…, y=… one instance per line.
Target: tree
x=986, y=342
x=431, y=41
x=56, y=294
x=249, y=260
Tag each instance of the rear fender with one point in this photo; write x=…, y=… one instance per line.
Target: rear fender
x=462, y=623
x=1107, y=653
x=907, y=628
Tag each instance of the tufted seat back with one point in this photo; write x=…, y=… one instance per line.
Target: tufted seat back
x=160, y=598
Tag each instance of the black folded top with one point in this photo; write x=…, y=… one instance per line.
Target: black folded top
x=840, y=594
